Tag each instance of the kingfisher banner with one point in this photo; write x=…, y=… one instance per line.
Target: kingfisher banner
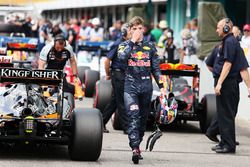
x=30, y=76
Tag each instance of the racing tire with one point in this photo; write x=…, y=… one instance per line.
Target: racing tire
x=86, y=135
x=115, y=121
x=208, y=111
x=102, y=94
x=81, y=72
x=90, y=79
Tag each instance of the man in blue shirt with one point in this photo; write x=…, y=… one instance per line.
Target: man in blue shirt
x=116, y=33
x=115, y=72
x=213, y=129
x=226, y=62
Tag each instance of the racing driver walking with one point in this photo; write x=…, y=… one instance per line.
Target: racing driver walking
x=141, y=61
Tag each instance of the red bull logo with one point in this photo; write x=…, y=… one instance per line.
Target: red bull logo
x=140, y=55
x=139, y=63
x=170, y=66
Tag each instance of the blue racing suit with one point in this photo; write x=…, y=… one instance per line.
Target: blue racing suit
x=142, y=61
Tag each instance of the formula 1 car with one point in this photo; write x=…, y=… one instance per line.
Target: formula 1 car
x=21, y=49
x=29, y=117
x=186, y=95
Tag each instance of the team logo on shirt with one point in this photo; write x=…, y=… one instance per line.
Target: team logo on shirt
x=64, y=55
x=121, y=48
x=52, y=56
x=146, y=48
x=140, y=55
x=139, y=63
x=136, y=59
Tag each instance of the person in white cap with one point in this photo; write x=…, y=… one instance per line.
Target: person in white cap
x=157, y=31
x=97, y=32
x=164, y=27
x=245, y=40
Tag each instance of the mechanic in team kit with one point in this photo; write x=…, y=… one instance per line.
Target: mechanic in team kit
x=55, y=55
x=115, y=72
x=226, y=69
x=213, y=129
x=141, y=60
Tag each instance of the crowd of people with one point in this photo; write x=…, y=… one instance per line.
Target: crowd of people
x=75, y=30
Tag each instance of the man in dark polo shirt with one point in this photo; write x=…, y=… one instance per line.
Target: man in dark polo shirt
x=226, y=64
x=213, y=129
x=115, y=72
x=55, y=55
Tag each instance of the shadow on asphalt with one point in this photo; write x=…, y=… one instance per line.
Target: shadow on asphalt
x=33, y=152
x=189, y=127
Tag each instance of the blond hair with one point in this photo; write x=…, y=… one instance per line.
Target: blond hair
x=137, y=20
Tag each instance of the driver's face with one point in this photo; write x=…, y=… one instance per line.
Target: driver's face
x=59, y=45
x=137, y=28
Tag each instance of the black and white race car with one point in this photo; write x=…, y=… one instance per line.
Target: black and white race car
x=27, y=116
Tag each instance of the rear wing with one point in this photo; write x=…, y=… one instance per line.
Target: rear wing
x=180, y=69
x=19, y=43
x=41, y=77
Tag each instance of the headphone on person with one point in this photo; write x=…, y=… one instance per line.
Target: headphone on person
x=124, y=29
x=226, y=27
x=59, y=38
